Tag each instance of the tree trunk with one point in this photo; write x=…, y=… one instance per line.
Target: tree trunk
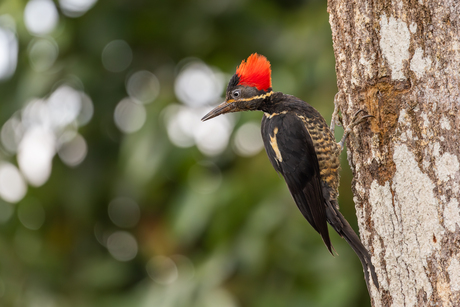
x=399, y=60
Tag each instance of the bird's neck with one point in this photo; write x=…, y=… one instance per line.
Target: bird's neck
x=278, y=102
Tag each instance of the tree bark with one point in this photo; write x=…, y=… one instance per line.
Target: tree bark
x=399, y=60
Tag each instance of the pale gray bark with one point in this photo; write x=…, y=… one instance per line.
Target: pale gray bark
x=400, y=61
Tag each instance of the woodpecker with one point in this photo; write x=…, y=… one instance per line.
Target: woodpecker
x=300, y=146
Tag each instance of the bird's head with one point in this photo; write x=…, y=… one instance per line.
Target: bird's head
x=248, y=88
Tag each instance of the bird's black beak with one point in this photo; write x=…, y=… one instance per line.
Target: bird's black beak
x=224, y=107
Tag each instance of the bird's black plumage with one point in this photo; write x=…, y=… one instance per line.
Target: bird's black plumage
x=296, y=160
x=291, y=151
x=301, y=147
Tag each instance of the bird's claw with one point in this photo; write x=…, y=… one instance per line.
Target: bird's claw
x=355, y=116
x=336, y=120
x=354, y=122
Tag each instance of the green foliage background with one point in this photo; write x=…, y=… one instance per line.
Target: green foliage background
x=245, y=243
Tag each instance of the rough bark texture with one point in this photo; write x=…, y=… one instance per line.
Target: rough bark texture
x=400, y=61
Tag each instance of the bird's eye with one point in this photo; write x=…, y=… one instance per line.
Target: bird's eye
x=236, y=93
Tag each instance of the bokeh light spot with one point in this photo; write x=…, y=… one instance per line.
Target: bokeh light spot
x=117, y=56
x=185, y=267
x=64, y=105
x=32, y=132
x=35, y=153
x=180, y=124
x=11, y=134
x=248, y=141
x=87, y=110
x=213, y=136
x=73, y=152
x=40, y=16
x=143, y=86
x=12, y=186
x=76, y=8
x=185, y=129
x=198, y=85
x=124, y=212
x=162, y=270
x=122, y=245
x=31, y=214
x=8, y=48
x=43, y=53
x=129, y=116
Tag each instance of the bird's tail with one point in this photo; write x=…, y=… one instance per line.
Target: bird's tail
x=343, y=228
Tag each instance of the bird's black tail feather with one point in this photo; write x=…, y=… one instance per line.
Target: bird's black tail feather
x=343, y=228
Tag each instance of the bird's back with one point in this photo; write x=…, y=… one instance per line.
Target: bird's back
x=326, y=148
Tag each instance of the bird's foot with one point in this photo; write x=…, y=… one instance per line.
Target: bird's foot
x=336, y=121
x=354, y=122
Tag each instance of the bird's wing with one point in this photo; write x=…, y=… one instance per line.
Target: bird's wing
x=291, y=152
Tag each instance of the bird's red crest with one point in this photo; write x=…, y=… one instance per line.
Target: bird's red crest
x=255, y=71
